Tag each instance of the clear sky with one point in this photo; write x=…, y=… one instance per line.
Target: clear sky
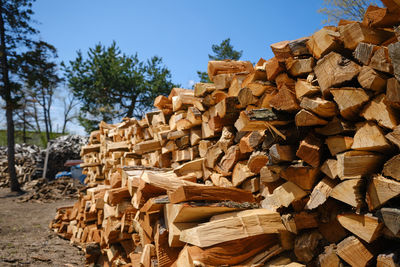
x=180, y=31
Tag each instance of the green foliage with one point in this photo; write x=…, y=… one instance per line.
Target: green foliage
x=222, y=51
x=111, y=84
x=32, y=137
x=336, y=10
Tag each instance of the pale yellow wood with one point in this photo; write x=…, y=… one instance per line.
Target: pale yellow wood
x=348, y=191
x=366, y=227
x=370, y=137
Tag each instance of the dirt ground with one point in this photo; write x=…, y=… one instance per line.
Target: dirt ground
x=25, y=238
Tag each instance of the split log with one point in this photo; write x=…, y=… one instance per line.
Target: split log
x=281, y=50
x=321, y=107
x=356, y=164
x=336, y=126
x=350, y=101
x=310, y=150
x=394, y=136
x=228, y=161
x=240, y=173
x=256, y=161
x=250, y=141
x=303, y=88
x=354, y=252
x=282, y=196
x=273, y=68
x=232, y=252
x=354, y=33
x=222, y=81
x=227, y=66
x=349, y=192
x=391, y=218
x=380, y=190
x=281, y=153
x=391, y=168
x=299, y=67
x=366, y=227
x=394, y=52
x=320, y=193
x=378, y=17
x=380, y=61
x=299, y=221
x=324, y=41
x=364, y=52
x=333, y=70
x=209, y=193
x=307, y=118
x=393, y=93
x=388, y=260
x=236, y=83
x=338, y=143
x=242, y=224
x=303, y=176
x=329, y=257
x=330, y=168
x=370, y=137
x=285, y=100
x=371, y=79
x=201, y=89
x=377, y=110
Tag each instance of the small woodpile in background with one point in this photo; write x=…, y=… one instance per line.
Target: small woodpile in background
x=293, y=161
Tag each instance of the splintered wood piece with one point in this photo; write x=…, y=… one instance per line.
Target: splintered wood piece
x=256, y=161
x=371, y=138
x=303, y=176
x=194, y=116
x=195, y=136
x=282, y=196
x=285, y=100
x=307, y=118
x=364, y=52
x=333, y=70
x=381, y=190
x=323, y=41
x=310, y=150
x=281, y=50
x=209, y=193
x=355, y=33
x=267, y=175
x=162, y=102
x=394, y=54
x=168, y=181
x=228, y=161
x=352, y=251
x=350, y=101
x=372, y=80
x=338, y=143
x=283, y=80
x=349, y=192
x=243, y=224
x=189, y=167
x=366, y=227
x=392, y=168
x=146, y=146
x=393, y=93
x=394, y=136
x=227, y=106
x=213, y=155
x=258, y=88
x=240, y=173
x=378, y=17
x=336, y=126
x=303, y=88
x=299, y=47
x=227, y=66
x=319, y=106
x=391, y=218
x=320, y=193
x=377, y=110
x=250, y=141
x=329, y=257
x=232, y=252
x=356, y=164
x=306, y=246
x=273, y=68
x=330, y=168
x=281, y=153
x=299, y=67
x=184, y=259
x=236, y=83
x=380, y=61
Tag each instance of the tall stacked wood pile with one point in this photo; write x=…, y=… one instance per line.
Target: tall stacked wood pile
x=291, y=162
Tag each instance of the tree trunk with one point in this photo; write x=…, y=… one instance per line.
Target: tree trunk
x=14, y=185
x=46, y=121
x=131, y=108
x=24, y=126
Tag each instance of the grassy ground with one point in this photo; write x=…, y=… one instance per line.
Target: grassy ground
x=32, y=138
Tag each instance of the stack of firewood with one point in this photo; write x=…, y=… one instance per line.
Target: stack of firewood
x=291, y=162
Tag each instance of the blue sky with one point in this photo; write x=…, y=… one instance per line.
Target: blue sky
x=180, y=31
